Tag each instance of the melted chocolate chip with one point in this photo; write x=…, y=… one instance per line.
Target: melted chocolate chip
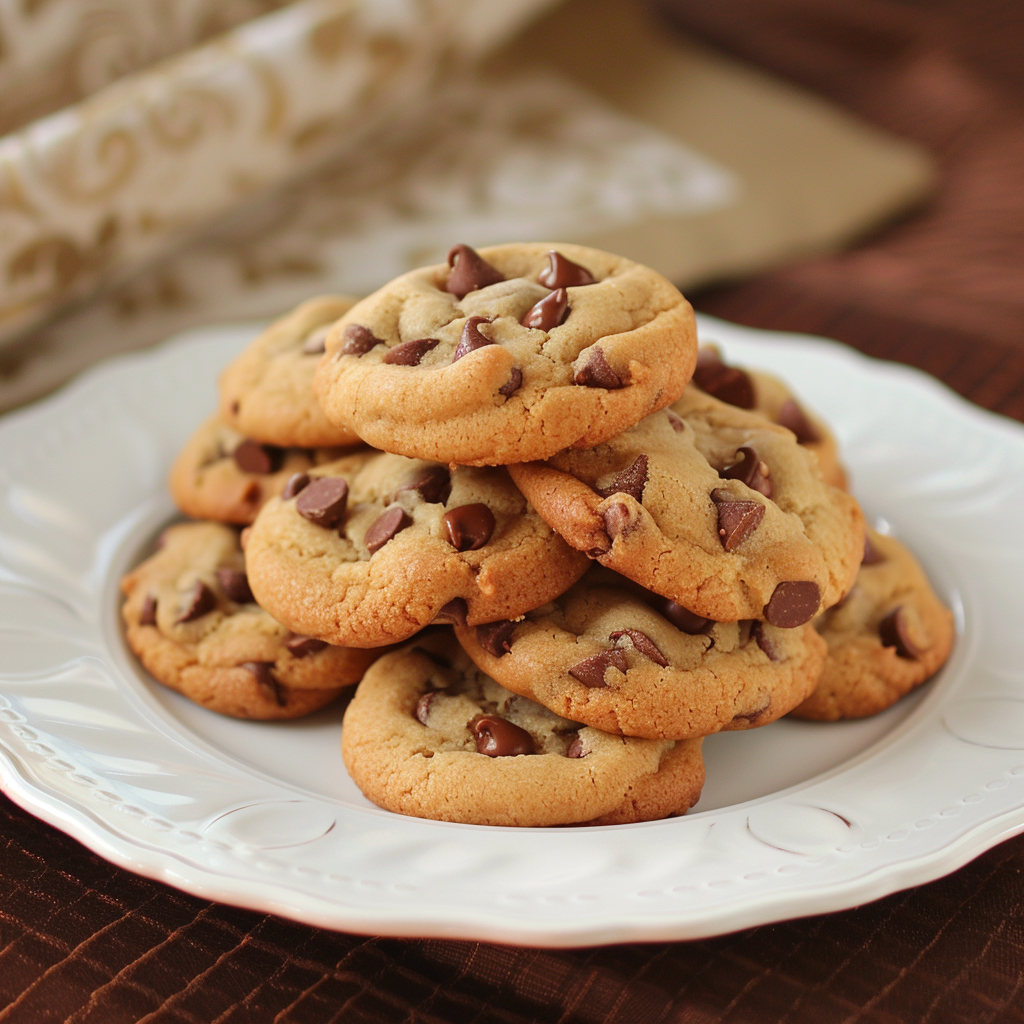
x=469, y=272
x=200, y=602
x=682, y=618
x=235, y=585
x=300, y=646
x=454, y=611
x=751, y=470
x=409, y=353
x=872, y=556
x=296, y=482
x=618, y=521
x=434, y=484
x=642, y=643
x=575, y=749
x=468, y=527
x=726, y=383
x=596, y=373
x=471, y=338
x=631, y=480
x=513, y=384
x=590, y=671
x=357, y=340
x=792, y=417
x=253, y=457
x=496, y=637
x=323, y=501
x=422, y=711
x=737, y=518
x=498, y=737
x=563, y=273
x=147, y=614
x=793, y=603
x=757, y=713
x=315, y=342
x=549, y=312
x=894, y=631
x=266, y=680
x=385, y=526
x=758, y=633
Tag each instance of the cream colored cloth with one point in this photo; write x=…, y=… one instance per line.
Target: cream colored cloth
x=596, y=126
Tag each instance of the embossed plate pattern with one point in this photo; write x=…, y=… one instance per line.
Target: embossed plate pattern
x=797, y=818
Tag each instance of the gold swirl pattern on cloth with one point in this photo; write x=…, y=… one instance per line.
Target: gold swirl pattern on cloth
x=94, y=191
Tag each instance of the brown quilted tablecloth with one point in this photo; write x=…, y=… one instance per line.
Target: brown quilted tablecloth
x=81, y=940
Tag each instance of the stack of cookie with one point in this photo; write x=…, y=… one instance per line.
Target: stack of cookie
x=627, y=560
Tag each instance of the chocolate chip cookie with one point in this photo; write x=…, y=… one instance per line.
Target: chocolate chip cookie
x=773, y=399
x=222, y=475
x=890, y=634
x=711, y=506
x=508, y=355
x=191, y=619
x=429, y=735
x=623, y=660
x=369, y=549
x=266, y=393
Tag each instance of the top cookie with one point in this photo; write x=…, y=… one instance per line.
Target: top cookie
x=508, y=355
x=773, y=399
x=266, y=393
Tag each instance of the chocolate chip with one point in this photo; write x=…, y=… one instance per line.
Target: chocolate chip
x=513, y=384
x=575, y=749
x=296, y=482
x=549, y=312
x=235, y=585
x=357, y=340
x=409, y=353
x=253, y=457
x=596, y=373
x=618, y=521
x=793, y=603
x=590, y=671
x=563, y=273
x=894, y=631
x=385, y=526
x=753, y=716
x=323, y=501
x=726, y=383
x=471, y=338
x=496, y=637
x=469, y=272
x=678, y=423
x=147, y=614
x=422, y=711
x=757, y=632
x=454, y=611
x=643, y=643
x=235, y=407
x=266, y=680
x=751, y=470
x=252, y=494
x=498, y=737
x=631, y=480
x=737, y=518
x=792, y=417
x=682, y=618
x=468, y=527
x=872, y=556
x=300, y=646
x=434, y=484
x=315, y=342
x=200, y=602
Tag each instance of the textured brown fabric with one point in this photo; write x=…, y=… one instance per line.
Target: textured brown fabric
x=83, y=941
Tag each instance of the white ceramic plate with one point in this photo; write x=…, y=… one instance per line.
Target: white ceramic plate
x=797, y=818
